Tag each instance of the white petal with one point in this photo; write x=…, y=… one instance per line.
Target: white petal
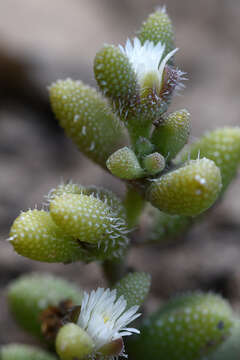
x=104, y=318
x=165, y=60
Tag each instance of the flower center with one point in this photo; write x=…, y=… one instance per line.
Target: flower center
x=106, y=318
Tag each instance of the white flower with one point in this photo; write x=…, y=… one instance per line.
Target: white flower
x=147, y=60
x=104, y=317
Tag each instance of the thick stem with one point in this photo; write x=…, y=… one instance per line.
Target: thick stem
x=134, y=204
x=113, y=271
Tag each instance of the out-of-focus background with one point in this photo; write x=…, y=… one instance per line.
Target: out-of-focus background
x=41, y=41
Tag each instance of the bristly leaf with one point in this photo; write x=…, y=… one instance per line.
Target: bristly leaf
x=134, y=287
x=189, y=190
x=124, y=164
x=115, y=76
x=154, y=163
x=158, y=28
x=172, y=133
x=35, y=235
x=223, y=147
x=87, y=119
x=189, y=327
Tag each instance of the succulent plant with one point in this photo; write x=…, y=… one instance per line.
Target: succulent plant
x=125, y=127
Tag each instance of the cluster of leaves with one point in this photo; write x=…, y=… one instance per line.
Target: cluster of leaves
x=125, y=128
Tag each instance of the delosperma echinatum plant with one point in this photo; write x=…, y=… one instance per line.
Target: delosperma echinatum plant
x=125, y=128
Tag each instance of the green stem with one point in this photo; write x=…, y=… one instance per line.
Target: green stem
x=138, y=128
x=134, y=204
x=113, y=271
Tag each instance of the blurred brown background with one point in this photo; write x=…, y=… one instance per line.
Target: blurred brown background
x=41, y=41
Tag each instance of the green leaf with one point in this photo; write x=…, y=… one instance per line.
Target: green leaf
x=189, y=190
x=189, y=327
x=134, y=287
x=30, y=294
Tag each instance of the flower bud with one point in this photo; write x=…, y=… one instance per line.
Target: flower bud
x=72, y=342
x=124, y=164
x=87, y=119
x=31, y=294
x=189, y=190
x=223, y=147
x=189, y=327
x=154, y=163
x=155, y=88
x=35, y=235
x=158, y=28
x=172, y=133
x=24, y=352
x=115, y=75
x=134, y=287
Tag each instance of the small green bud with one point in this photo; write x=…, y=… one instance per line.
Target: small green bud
x=229, y=349
x=24, y=352
x=115, y=75
x=87, y=119
x=154, y=163
x=124, y=164
x=30, y=294
x=189, y=327
x=223, y=147
x=72, y=342
x=35, y=235
x=172, y=133
x=188, y=190
x=158, y=28
x=134, y=287
x=143, y=146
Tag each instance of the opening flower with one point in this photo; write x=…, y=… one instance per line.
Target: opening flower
x=104, y=318
x=147, y=61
